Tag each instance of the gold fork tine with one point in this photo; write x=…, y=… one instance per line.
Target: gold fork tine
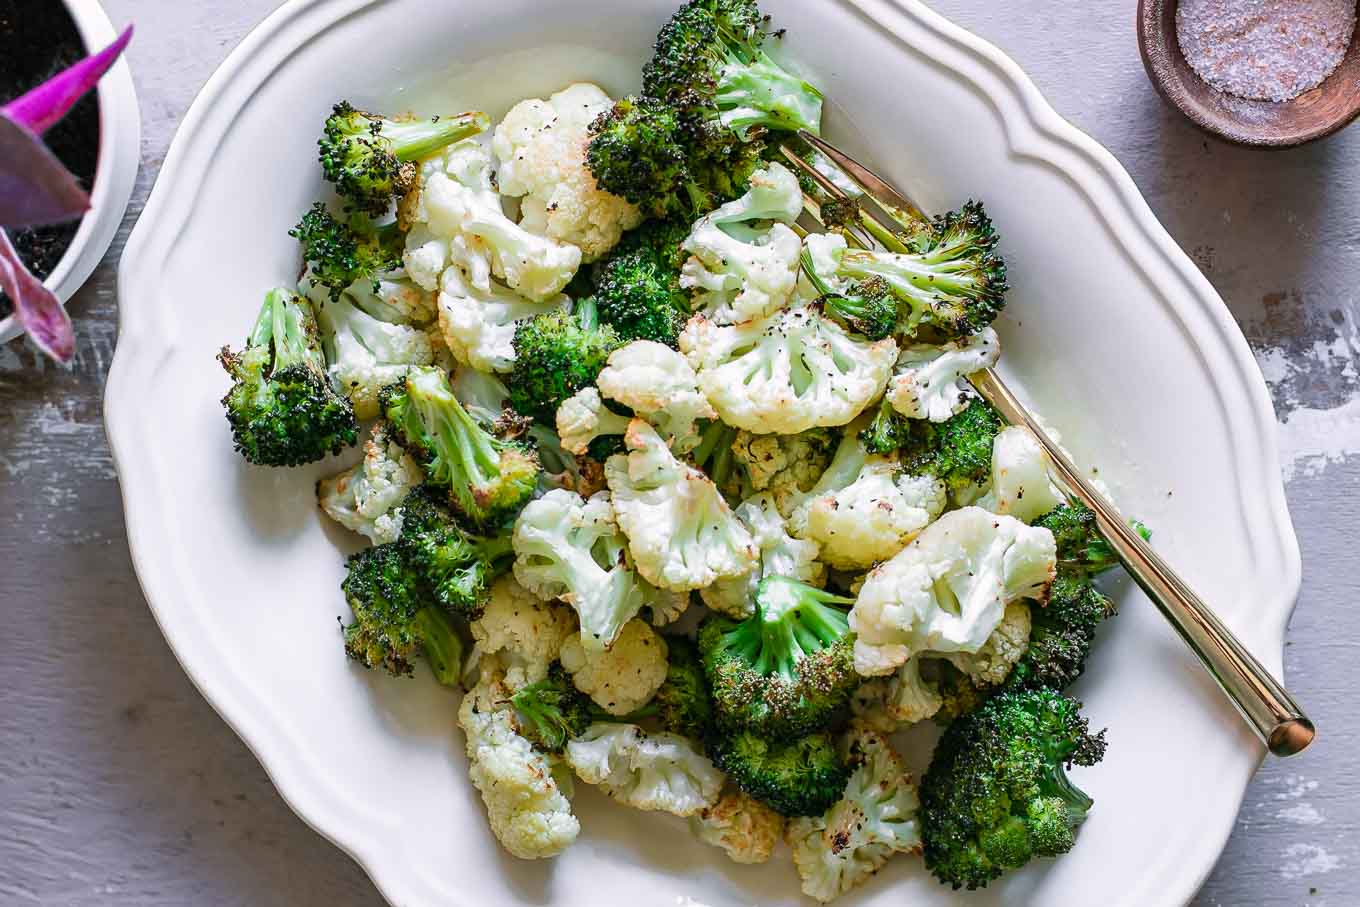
x=900, y=208
x=874, y=227
x=1262, y=701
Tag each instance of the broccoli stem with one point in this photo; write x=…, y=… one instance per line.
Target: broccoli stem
x=412, y=140
x=441, y=643
x=917, y=277
x=465, y=446
x=1057, y=784
x=587, y=314
x=282, y=322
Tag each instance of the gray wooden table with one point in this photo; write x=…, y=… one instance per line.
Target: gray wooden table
x=119, y=785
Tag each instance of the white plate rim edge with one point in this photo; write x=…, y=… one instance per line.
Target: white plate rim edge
x=1103, y=179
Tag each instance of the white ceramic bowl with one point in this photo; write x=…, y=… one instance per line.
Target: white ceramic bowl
x=1110, y=330
x=120, y=136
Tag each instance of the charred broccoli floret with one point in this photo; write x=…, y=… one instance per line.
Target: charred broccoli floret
x=959, y=695
x=995, y=795
x=339, y=254
x=556, y=354
x=786, y=670
x=638, y=290
x=456, y=568
x=887, y=432
x=552, y=711
x=1080, y=545
x=281, y=406
x=489, y=480
x=371, y=159
x=708, y=60
x=1061, y=633
x=682, y=704
x=666, y=161
x=865, y=307
x=949, y=283
x=958, y=450
x=393, y=621
x=800, y=777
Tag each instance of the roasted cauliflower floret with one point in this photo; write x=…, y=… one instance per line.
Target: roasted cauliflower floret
x=746, y=829
x=875, y=819
x=456, y=219
x=743, y=260
x=570, y=548
x=542, y=149
x=990, y=665
x=864, y=509
x=1021, y=485
x=787, y=373
x=527, y=811
x=364, y=354
x=681, y=533
x=928, y=380
x=479, y=324
x=661, y=771
x=658, y=384
x=780, y=555
x=583, y=417
x=623, y=678
x=525, y=634
x=888, y=703
x=787, y=466
x=948, y=590
x=366, y=498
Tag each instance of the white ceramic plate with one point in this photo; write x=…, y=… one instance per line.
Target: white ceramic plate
x=120, y=137
x=1110, y=330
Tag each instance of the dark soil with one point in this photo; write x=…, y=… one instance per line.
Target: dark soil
x=38, y=40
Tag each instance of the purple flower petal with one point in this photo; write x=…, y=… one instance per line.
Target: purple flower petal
x=35, y=188
x=44, y=105
x=36, y=307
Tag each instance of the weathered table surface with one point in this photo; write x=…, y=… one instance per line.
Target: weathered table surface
x=118, y=783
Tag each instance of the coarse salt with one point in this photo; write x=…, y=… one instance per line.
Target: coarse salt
x=1267, y=50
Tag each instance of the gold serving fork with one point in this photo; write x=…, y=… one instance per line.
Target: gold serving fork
x=1262, y=701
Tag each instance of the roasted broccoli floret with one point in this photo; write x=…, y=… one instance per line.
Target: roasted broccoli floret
x=666, y=160
x=1061, y=633
x=949, y=283
x=865, y=307
x=552, y=711
x=1080, y=545
x=456, y=567
x=339, y=254
x=281, y=406
x=800, y=777
x=682, y=704
x=958, y=450
x=393, y=621
x=958, y=694
x=638, y=290
x=888, y=432
x=556, y=354
x=371, y=159
x=995, y=795
x=786, y=670
x=489, y=480
x=708, y=59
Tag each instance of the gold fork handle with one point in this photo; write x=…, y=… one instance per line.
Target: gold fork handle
x=1264, y=703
